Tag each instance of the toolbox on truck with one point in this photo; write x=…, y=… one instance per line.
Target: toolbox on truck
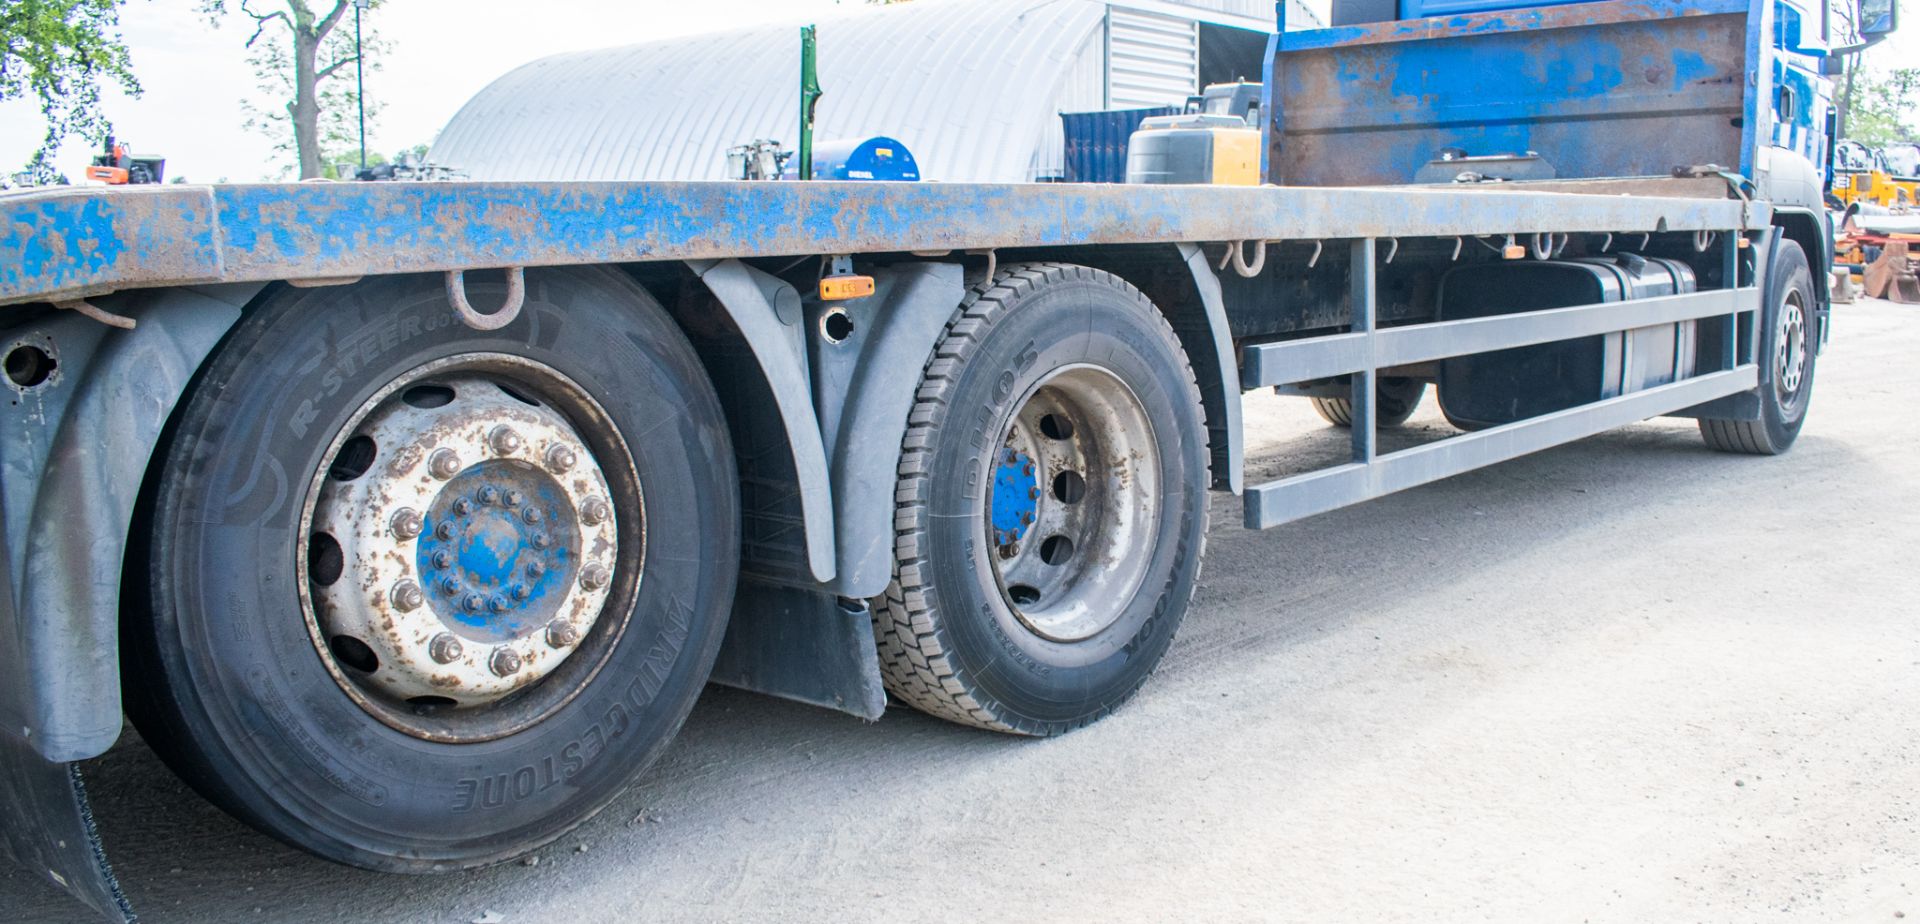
x=1500, y=387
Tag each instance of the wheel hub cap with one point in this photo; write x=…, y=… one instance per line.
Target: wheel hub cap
x=1790, y=359
x=473, y=555
x=1016, y=496
x=1075, y=504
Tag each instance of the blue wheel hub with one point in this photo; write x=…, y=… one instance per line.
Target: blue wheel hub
x=1016, y=496
x=498, y=551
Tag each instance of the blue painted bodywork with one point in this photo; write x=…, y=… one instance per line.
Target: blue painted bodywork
x=1624, y=88
x=82, y=240
x=1421, y=9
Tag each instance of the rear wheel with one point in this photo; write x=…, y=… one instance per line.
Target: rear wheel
x=1395, y=400
x=425, y=597
x=1789, y=345
x=1052, y=506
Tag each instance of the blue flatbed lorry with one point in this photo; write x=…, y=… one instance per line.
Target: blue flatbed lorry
x=406, y=521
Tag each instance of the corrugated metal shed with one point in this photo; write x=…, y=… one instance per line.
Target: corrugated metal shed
x=972, y=87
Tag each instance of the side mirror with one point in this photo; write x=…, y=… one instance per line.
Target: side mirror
x=1878, y=17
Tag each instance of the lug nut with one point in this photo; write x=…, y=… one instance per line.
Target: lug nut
x=442, y=559
x=520, y=592
x=444, y=648
x=462, y=506
x=540, y=540
x=513, y=498
x=505, y=662
x=497, y=603
x=561, y=633
x=593, y=576
x=487, y=495
x=443, y=464
x=594, y=511
x=406, y=523
x=406, y=596
x=504, y=440
x=444, y=531
x=531, y=515
x=559, y=459
x=472, y=603
x=450, y=585
x=536, y=569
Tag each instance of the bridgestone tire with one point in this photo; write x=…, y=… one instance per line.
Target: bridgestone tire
x=222, y=676
x=949, y=643
x=1781, y=417
x=1395, y=400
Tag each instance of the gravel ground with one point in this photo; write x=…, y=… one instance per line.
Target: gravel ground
x=1625, y=680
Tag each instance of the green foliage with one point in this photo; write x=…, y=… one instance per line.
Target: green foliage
x=60, y=52
x=303, y=52
x=1883, y=107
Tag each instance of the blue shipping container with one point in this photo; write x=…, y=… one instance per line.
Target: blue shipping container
x=1097, y=142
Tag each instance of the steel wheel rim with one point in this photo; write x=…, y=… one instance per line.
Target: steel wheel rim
x=510, y=426
x=1074, y=505
x=1790, y=353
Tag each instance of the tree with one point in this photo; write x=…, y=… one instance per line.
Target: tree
x=301, y=55
x=1883, y=106
x=60, y=52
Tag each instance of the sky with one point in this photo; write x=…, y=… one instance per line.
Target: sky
x=444, y=51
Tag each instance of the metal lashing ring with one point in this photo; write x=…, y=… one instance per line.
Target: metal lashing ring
x=1393, y=249
x=1702, y=240
x=516, y=297
x=1240, y=264
x=1317, y=247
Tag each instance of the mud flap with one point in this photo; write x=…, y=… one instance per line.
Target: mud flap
x=802, y=645
x=47, y=826
x=45, y=822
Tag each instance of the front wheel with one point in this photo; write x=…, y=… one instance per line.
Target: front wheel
x=1789, y=348
x=1051, y=506
x=424, y=597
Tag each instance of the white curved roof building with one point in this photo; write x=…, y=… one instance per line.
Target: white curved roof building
x=972, y=87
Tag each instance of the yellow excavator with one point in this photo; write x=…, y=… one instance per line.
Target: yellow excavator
x=1861, y=175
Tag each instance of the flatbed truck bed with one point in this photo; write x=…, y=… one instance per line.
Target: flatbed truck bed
x=81, y=240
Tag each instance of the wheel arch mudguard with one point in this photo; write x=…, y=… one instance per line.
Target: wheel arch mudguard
x=74, y=450
x=841, y=376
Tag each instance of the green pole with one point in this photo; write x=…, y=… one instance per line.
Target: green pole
x=809, y=97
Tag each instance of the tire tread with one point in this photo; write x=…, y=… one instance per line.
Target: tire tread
x=914, y=661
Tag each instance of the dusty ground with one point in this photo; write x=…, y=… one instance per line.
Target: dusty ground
x=1626, y=680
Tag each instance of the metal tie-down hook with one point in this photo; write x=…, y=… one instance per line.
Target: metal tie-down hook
x=516, y=297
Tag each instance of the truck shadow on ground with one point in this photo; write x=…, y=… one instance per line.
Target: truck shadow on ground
x=182, y=859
